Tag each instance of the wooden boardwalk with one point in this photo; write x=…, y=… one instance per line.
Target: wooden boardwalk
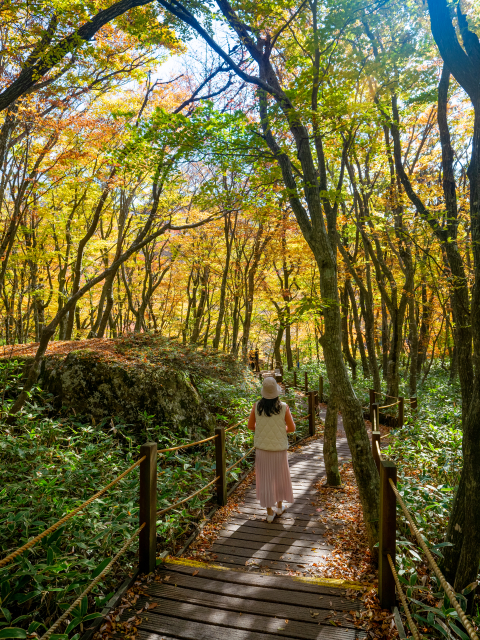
x=249, y=593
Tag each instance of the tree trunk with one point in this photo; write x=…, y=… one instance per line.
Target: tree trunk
x=330, y=456
x=278, y=342
x=358, y=330
x=385, y=340
x=345, y=346
x=288, y=344
x=413, y=339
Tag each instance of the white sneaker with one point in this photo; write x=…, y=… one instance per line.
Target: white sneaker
x=280, y=510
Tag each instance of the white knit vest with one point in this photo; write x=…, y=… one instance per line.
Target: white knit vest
x=271, y=432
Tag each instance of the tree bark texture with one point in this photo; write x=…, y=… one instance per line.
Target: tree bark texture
x=330, y=456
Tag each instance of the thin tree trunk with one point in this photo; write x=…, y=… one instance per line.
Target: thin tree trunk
x=330, y=455
x=413, y=338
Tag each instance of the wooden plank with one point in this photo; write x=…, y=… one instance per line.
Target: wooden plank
x=160, y=627
x=238, y=562
x=282, y=541
x=198, y=631
x=277, y=525
x=279, y=547
x=237, y=550
x=265, y=624
x=321, y=598
x=242, y=605
x=237, y=577
x=307, y=536
x=300, y=505
x=286, y=516
x=300, y=499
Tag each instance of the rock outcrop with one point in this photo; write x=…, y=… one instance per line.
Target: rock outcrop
x=141, y=379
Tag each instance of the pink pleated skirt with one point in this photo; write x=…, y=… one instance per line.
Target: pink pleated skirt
x=272, y=477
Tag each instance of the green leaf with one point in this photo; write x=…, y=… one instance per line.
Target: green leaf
x=74, y=623
x=462, y=635
x=92, y=616
x=13, y=632
x=56, y=535
x=24, y=597
x=34, y=626
x=468, y=589
x=6, y=614
x=84, y=606
x=96, y=572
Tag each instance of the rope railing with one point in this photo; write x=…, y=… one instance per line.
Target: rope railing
x=235, y=426
x=389, y=497
x=387, y=406
x=185, y=446
x=74, y=604
x=147, y=509
x=411, y=623
x=238, y=461
x=68, y=517
x=177, y=504
x=448, y=589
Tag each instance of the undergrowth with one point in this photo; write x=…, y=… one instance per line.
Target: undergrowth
x=50, y=463
x=428, y=455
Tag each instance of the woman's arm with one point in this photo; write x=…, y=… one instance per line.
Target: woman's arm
x=251, y=419
x=289, y=421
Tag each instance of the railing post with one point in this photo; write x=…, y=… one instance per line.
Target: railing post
x=372, y=402
x=413, y=403
x=306, y=382
x=320, y=389
x=221, y=466
x=375, y=417
x=401, y=412
x=388, y=525
x=311, y=412
x=294, y=378
x=147, y=539
x=375, y=439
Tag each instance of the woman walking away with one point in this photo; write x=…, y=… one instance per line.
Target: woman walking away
x=271, y=420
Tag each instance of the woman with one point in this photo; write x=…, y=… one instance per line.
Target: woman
x=271, y=420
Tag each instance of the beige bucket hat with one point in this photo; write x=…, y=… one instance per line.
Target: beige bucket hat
x=270, y=389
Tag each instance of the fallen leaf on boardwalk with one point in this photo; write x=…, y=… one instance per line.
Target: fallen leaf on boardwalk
x=195, y=572
x=152, y=605
x=167, y=578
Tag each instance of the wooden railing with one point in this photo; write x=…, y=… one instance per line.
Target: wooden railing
x=399, y=401
x=389, y=585
x=148, y=509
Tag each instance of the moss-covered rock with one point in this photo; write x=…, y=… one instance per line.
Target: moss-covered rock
x=132, y=378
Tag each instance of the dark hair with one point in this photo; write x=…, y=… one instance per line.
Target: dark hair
x=271, y=406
